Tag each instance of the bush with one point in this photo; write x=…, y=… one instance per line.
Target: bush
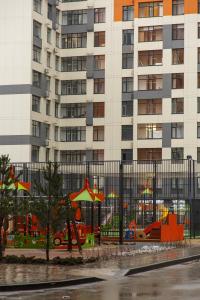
x=70, y=261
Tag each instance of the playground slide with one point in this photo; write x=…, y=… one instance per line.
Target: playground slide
x=149, y=228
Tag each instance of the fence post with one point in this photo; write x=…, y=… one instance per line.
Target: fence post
x=189, y=159
x=154, y=190
x=121, y=207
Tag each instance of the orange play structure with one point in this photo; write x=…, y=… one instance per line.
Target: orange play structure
x=169, y=231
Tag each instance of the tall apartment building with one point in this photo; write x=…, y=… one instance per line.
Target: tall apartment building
x=99, y=79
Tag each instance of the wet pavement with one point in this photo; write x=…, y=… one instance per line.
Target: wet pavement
x=107, y=269
x=180, y=282
x=23, y=274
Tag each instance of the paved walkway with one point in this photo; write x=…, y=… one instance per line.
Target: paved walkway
x=114, y=267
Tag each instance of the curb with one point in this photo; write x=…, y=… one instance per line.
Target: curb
x=48, y=285
x=161, y=265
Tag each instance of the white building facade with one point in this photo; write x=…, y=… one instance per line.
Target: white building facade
x=99, y=80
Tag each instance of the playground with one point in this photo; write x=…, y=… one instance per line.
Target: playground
x=104, y=203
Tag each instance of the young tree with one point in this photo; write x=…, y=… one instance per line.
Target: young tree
x=46, y=205
x=6, y=197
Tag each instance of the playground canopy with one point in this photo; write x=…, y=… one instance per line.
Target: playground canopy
x=87, y=194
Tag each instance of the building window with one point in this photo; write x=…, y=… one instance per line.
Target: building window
x=99, y=86
x=150, y=82
x=149, y=154
x=177, y=153
x=128, y=13
x=57, y=39
x=198, y=105
x=73, y=110
x=36, y=128
x=56, y=133
x=56, y=154
x=73, y=134
x=177, y=56
x=98, y=133
x=198, y=130
x=127, y=60
x=74, y=17
x=47, y=154
x=50, y=12
x=37, y=6
x=149, y=106
x=177, y=105
x=177, y=7
x=99, y=39
x=74, y=40
x=37, y=29
x=198, y=55
x=75, y=156
x=35, y=103
x=150, y=58
x=99, y=15
x=127, y=133
x=98, y=155
x=99, y=62
x=128, y=37
x=178, y=81
x=177, y=183
x=49, y=35
x=48, y=107
x=73, y=87
x=150, y=34
x=47, y=131
x=73, y=64
x=36, y=54
x=35, y=153
x=198, y=156
x=126, y=155
x=127, y=84
x=48, y=60
x=98, y=110
x=178, y=32
x=127, y=108
x=198, y=80
x=177, y=130
x=57, y=63
x=150, y=9
x=37, y=77
x=149, y=131
x=56, y=110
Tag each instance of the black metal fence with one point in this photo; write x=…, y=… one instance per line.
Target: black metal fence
x=143, y=191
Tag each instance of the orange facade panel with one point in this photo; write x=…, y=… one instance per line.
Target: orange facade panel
x=190, y=7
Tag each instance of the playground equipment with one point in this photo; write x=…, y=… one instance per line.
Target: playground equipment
x=169, y=231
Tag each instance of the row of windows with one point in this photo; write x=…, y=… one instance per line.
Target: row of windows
x=153, y=9
x=78, y=87
x=80, y=17
x=144, y=154
x=67, y=156
x=144, y=132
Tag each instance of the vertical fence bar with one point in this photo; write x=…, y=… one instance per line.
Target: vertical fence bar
x=189, y=159
x=193, y=197
x=154, y=190
x=121, y=208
